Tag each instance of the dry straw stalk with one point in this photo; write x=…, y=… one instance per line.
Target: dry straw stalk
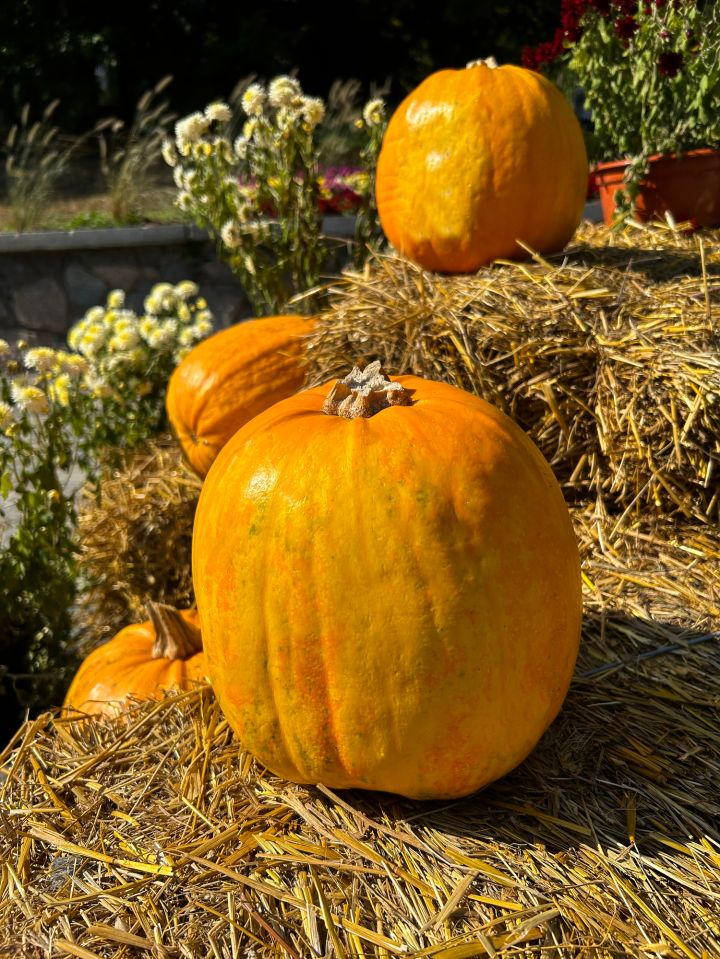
x=135, y=532
x=607, y=355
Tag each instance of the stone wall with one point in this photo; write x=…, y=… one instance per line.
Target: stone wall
x=48, y=280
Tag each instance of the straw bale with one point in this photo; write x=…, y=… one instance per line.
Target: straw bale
x=156, y=835
x=135, y=533
x=606, y=354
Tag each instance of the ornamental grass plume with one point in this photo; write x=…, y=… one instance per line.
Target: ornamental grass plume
x=35, y=160
x=258, y=189
x=127, y=156
x=650, y=71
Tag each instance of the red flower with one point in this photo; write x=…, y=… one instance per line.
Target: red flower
x=669, y=63
x=625, y=27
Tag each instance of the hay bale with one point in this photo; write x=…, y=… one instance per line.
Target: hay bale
x=135, y=533
x=606, y=354
x=154, y=834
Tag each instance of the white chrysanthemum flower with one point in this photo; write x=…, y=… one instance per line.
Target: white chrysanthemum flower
x=29, y=398
x=4, y=347
x=187, y=336
x=178, y=175
x=95, y=314
x=6, y=416
x=218, y=111
x=183, y=312
x=231, y=235
x=148, y=326
x=185, y=289
x=116, y=299
x=184, y=201
x=313, y=110
x=182, y=353
x=73, y=365
x=284, y=92
x=157, y=340
x=98, y=386
x=125, y=339
x=240, y=147
x=40, y=358
x=253, y=100
x=191, y=128
x=202, y=325
x=169, y=153
x=59, y=390
x=374, y=112
x=75, y=335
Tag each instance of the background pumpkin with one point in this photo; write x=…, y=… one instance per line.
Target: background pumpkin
x=140, y=661
x=230, y=377
x=390, y=602
x=474, y=160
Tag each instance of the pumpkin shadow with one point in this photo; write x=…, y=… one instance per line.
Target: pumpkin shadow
x=658, y=266
x=629, y=755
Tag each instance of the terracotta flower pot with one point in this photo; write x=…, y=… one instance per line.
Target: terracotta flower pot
x=689, y=187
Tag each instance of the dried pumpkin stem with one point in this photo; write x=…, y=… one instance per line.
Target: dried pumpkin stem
x=175, y=638
x=363, y=393
x=488, y=62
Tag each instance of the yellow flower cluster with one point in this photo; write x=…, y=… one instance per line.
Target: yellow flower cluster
x=115, y=341
x=51, y=376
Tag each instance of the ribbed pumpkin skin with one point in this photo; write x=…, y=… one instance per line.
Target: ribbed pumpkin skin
x=389, y=603
x=230, y=377
x=124, y=667
x=475, y=159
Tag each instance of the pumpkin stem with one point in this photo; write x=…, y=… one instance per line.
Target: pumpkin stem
x=364, y=393
x=175, y=638
x=488, y=62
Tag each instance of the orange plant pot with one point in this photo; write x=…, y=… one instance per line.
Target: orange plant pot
x=687, y=186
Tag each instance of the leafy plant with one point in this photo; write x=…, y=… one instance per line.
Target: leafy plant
x=64, y=413
x=127, y=158
x=259, y=194
x=650, y=71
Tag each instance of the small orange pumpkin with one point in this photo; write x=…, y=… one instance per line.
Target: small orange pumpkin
x=141, y=661
x=389, y=587
x=475, y=160
x=230, y=377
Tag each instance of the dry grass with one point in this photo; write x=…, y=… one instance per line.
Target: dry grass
x=607, y=355
x=135, y=541
x=156, y=835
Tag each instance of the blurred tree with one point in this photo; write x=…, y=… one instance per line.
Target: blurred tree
x=100, y=58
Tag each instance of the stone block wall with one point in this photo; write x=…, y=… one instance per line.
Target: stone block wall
x=48, y=281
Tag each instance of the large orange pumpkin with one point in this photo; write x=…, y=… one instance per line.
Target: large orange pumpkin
x=390, y=597
x=474, y=160
x=140, y=661
x=230, y=377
